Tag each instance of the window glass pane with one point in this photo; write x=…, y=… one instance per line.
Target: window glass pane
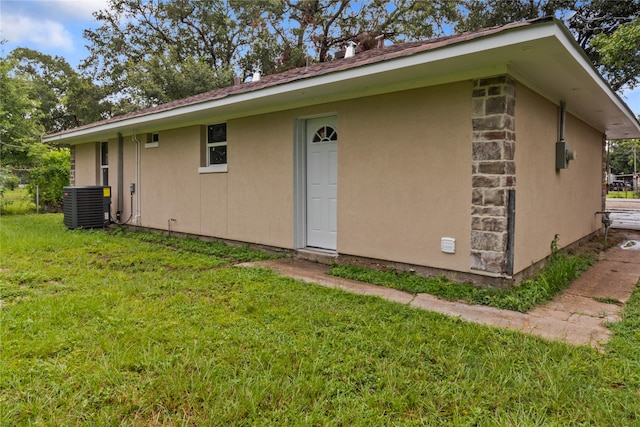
x=217, y=133
x=218, y=155
x=104, y=153
x=324, y=134
x=105, y=177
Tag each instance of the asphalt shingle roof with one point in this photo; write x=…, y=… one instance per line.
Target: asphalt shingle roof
x=361, y=59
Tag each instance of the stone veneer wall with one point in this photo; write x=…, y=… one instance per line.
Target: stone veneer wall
x=493, y=171
x=72, y=159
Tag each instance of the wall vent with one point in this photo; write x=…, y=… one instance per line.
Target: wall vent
x=86, y=207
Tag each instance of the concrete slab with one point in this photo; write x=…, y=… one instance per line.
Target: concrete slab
x=608, y=279
x=575, y=316
x=566, y=305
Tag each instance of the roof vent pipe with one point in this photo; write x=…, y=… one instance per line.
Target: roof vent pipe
x=380, y=40
x=351, y=50
x=563, y=116
x=256, y=76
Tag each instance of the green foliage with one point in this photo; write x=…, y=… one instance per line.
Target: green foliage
x=145, y=49
x=626, y=339
x=19, y=114
x=109, y=329
x=65, y=99
x=595, y=17
x=8, y=181
x=145, y=53
x=619, y=54
x=154, y=52
x=556, y=275
x=16, y=202
x=621, y=156
x=50, y=174
x=623, y=195
x=477, y=14
x=159, y=80
x=217, y=249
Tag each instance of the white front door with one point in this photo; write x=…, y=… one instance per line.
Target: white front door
x=322, y=182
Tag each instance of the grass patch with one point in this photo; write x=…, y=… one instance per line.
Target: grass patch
x=555, y=276
x=609, y=300
x=16, y=202
x=623, y=194
x=231, y=254
x=122, y=329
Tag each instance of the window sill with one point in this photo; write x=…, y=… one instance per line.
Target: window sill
x=213, y=169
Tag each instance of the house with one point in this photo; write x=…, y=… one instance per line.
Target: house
x=450, y=156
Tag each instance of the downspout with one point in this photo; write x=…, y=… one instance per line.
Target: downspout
x=136, y=219
x=563, y=116
x=120, y=176
x=511, y=229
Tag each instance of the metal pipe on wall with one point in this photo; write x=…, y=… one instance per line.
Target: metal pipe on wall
x=120, y=173
x=563, y=116
x=511, y=229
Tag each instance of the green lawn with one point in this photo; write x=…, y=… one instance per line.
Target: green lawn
x=135, y=329
x=622, y=195
x=17, y=201
x=558, y=273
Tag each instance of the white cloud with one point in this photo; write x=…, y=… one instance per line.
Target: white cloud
x=73, y=9
x=65, y=11
x=44, y=33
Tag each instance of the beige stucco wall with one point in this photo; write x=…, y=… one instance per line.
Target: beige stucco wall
x=251, y=202
x=86, y=164
x=260, y=179
x=404, y=176
x=129, y=176
x=169, y=184
x=550, y=202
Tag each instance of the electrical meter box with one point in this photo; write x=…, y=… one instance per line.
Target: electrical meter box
x=564, y=155
x=562, y=150
x=87, y=207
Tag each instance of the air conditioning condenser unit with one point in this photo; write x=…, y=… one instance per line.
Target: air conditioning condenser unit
x=87, y=207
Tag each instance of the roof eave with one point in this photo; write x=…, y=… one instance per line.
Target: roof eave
x=460, y=61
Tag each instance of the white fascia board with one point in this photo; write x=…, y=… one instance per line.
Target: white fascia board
x=515, y=36
x=502, y=39
x=581, y=58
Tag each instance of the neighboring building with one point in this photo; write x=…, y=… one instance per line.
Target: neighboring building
x=411, y=154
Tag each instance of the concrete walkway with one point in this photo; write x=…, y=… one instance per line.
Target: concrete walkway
x=577, y=316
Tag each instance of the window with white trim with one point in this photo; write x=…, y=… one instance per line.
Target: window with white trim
x=216, y=149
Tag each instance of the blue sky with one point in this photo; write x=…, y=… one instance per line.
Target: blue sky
x=55, y=27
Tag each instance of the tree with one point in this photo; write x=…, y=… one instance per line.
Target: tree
x=330, y=24
x=621, y=156
x=154, y=52
x=49, y=175
x=594, y=17
x=19, y=117
x=477, y=14
x=66, y=100
x=41, y=94
x=607, y=30
x=619, y=55
x=145, y=51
